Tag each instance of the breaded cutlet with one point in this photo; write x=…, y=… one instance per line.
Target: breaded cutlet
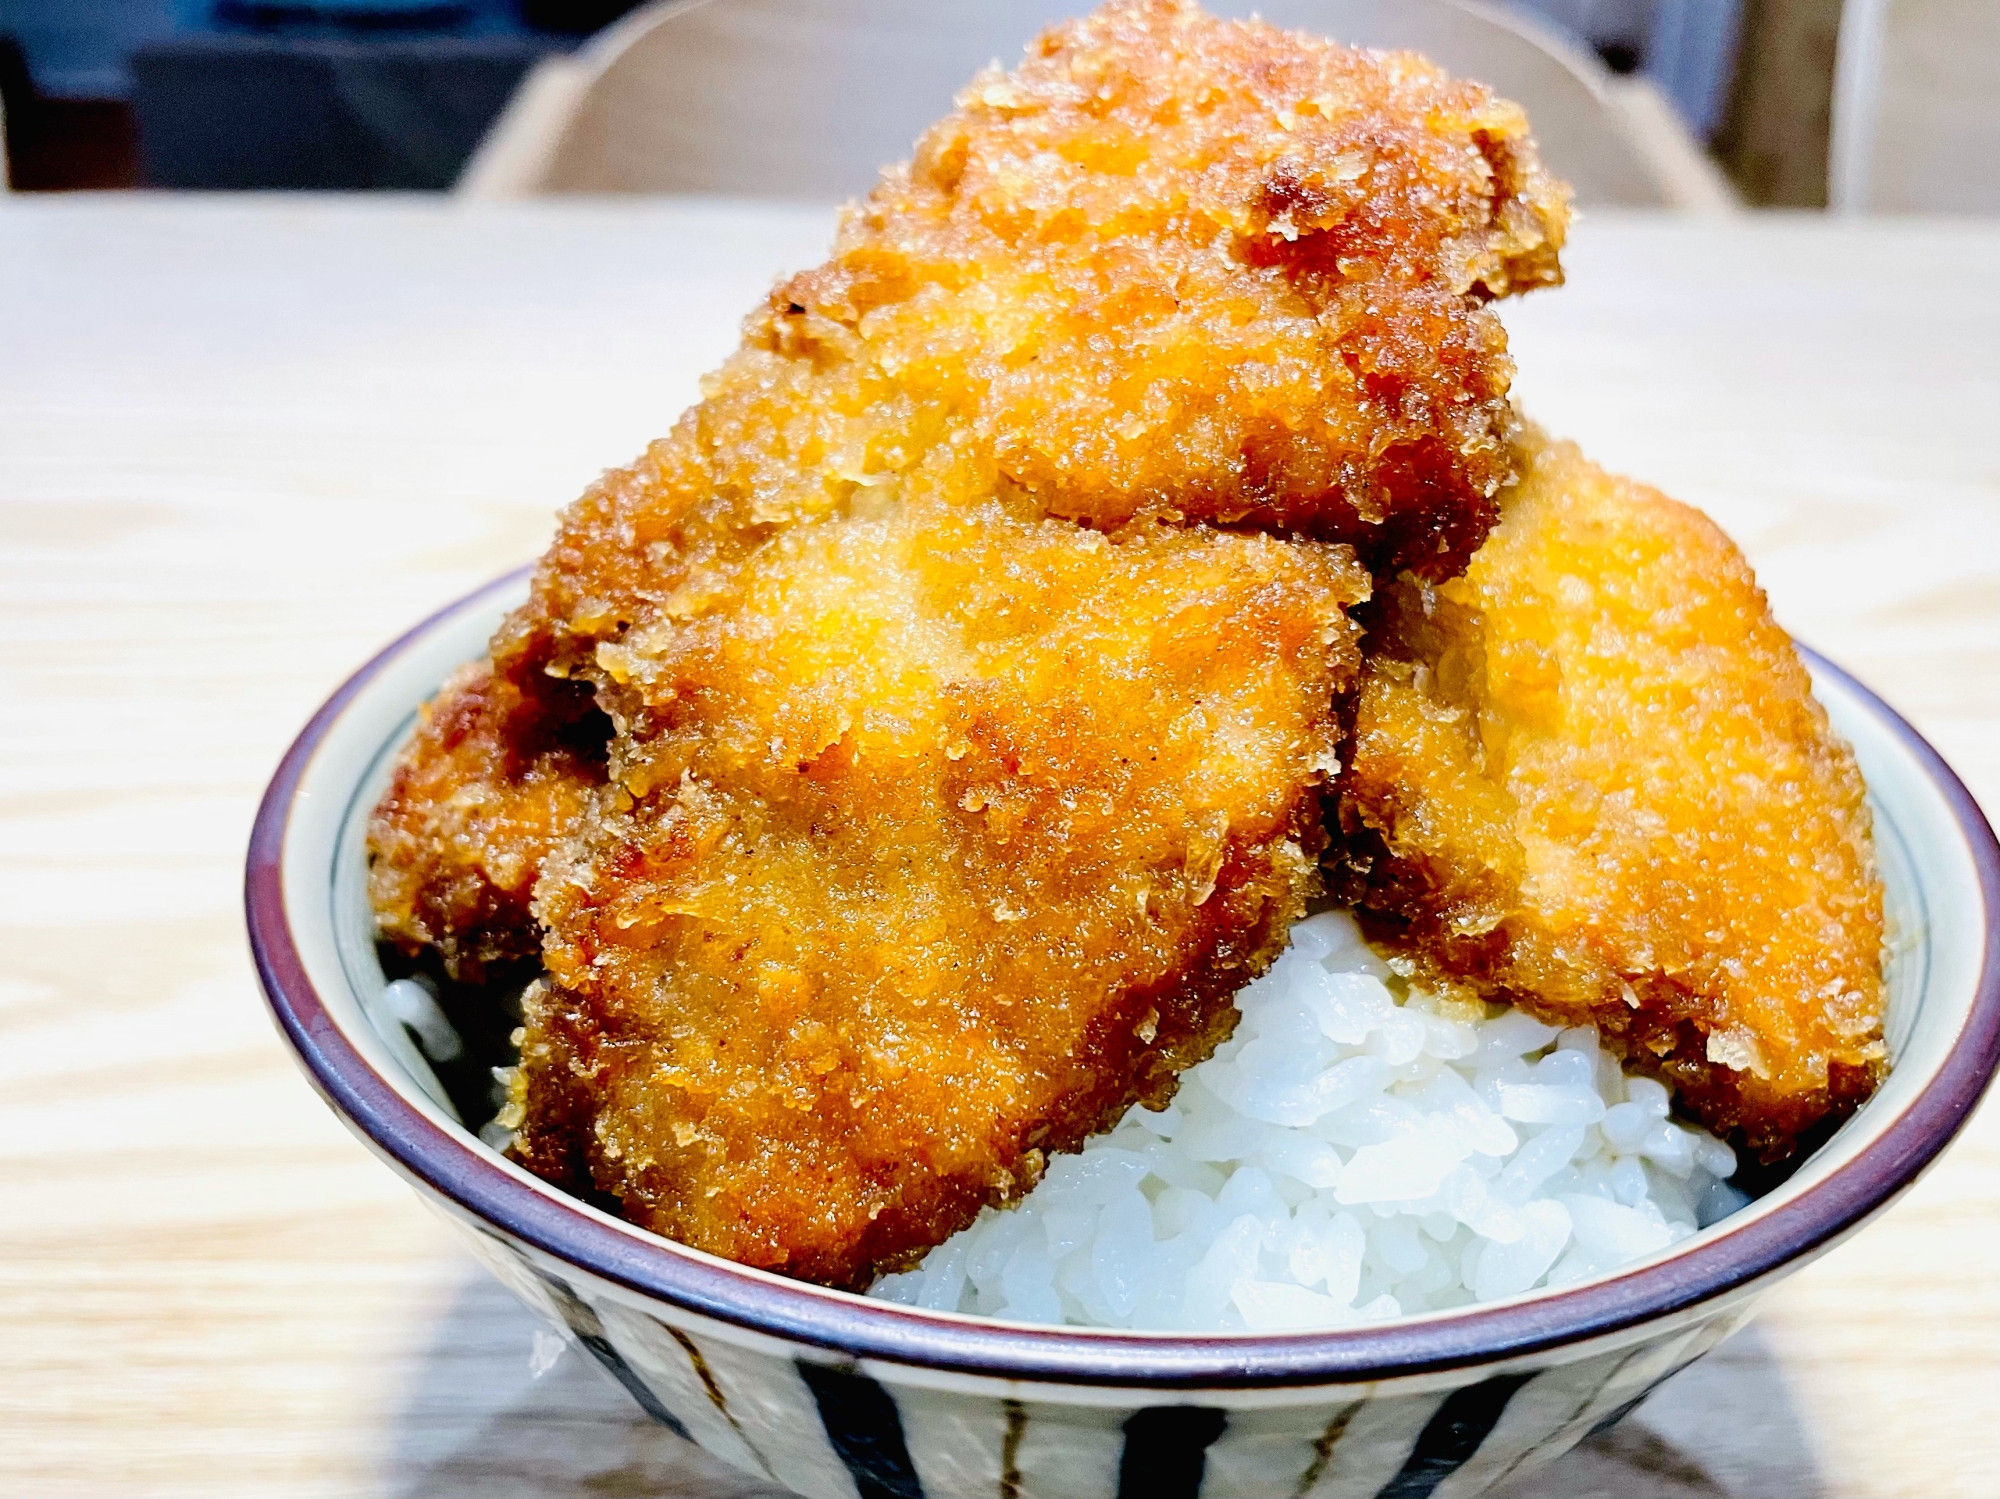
x=951, y=832
x=969, y=654
x=1172, y=266
x=1589, y=778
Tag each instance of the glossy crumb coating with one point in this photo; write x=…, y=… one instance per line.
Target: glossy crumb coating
x=948, y=833
x=971, y=649
x=493, y=779
x=1589, y=777
x=1206, y=269
x=1171, y=266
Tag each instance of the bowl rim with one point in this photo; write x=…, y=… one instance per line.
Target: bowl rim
x=860, y=1328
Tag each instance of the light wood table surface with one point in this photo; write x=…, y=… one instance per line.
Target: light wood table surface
x=244, y=442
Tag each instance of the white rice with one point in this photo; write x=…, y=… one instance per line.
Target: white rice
x=1352, y=1153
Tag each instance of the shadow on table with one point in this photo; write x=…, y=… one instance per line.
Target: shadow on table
x=474, y=1421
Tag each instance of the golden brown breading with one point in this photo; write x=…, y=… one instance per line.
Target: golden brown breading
x=1200, y=268
x=493, y=779
x=954, y=831
x=1171, y=266
x=960, y=770
x=1589, y=777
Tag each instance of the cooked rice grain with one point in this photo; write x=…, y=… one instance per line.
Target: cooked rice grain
x=1352, y=1153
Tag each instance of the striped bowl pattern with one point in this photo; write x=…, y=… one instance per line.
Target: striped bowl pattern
x=837, y=1397
x=847, y=1429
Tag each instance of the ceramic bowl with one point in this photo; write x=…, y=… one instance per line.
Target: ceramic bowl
x=839, y=1397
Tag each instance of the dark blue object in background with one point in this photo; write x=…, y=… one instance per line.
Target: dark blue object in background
x=243, y=111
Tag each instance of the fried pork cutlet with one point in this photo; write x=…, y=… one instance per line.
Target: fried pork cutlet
x=493, y=780
x=1171, y=266
x=961, y=767
x=954, y=831
x=1211, y=271
x=1589, y=778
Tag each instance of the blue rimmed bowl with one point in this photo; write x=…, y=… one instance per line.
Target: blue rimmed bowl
x=840, y=1397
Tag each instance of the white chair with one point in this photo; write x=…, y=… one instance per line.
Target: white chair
x=808, y=98
x=1916, y=108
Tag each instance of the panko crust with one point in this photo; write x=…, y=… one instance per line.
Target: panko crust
x=971, y=648
x=948, y=833
x=494, y=778
x=1175, y=265
x=1170, y=267
x=1589, y=777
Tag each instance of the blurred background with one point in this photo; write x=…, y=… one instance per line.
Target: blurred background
x=1858, y=105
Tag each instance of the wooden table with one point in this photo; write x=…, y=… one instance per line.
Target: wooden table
x=244, y=442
